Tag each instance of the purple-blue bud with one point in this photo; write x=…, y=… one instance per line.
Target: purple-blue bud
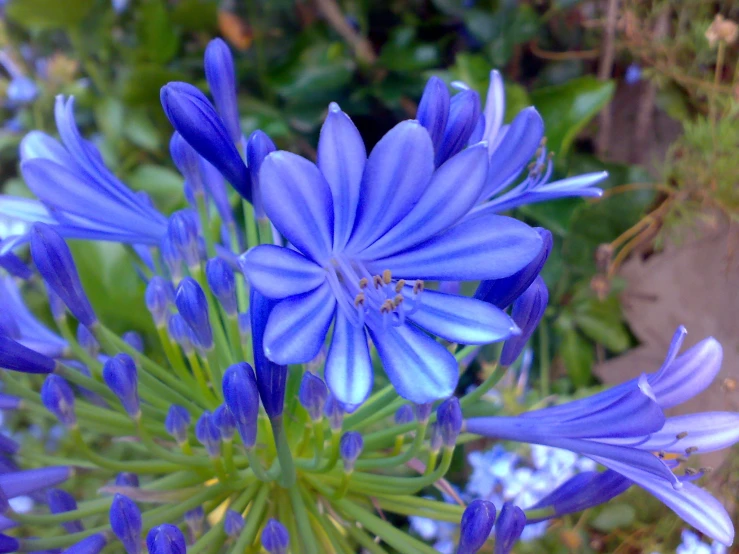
x=61, y=501
x=222, y=284
x=435, y=438
x=258, y=147
x=312, y=395
x=244, y=324
x=172, y=259
x=134, y=340
x=177, y=423
x=9, y=325
x=528, y=309
x=195, y=520
x=233, y=523
x=449, y=420
x=8, y=445
x=350, y=447
x=88, y=341
x=404, y=415
x=182, y=230
x=241, y=395
x=193, y=116
x=8, y=544
x=271, y=377
x=8, y=402
x=127, y=479
x=166, y=539
x=93, y=544
x=464, y=112
x=508, y=528
x=54, y=262
x=4, y=503
x=193, y=306
x=423, y=411
x=503, y=292
x=15, y=266
x=58, y=398
x=25, y=482
x=433, y=110
x=121, y=376
x=21, y=90
x=180, y=332
x=187, y=162
x=208, y=434
x=57, y=307
x=225, y=421
x=216, y=185
x=125, y=521
x=334, y=411
x=159, y=297
x=15, y=356
x=219, y=71
x=275, y=538
x=474, y=529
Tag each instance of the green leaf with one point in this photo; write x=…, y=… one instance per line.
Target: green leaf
x=196, y=15
x=163, y=184
x=614, y=516
x=403, y=53
x=159, y=39
x=577, y=355
x=109, y=117
x=601, y=321
x=139, y=129
x=48, y=14
x=566, y=109
x=142, y=84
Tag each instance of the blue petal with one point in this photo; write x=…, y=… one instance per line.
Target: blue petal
x=420, y=369
x=527, y=311
x=24, y=209
x=514, y=151
x=279, y=272
x=479, y=247
x=341, y=159
x=37, y=144
x=461, y=319
x=297, y=200
x=397, y=172
x=433, y=110
x=219, y=71
x=348, y=369
x=297, y=326
x=453, y=191
x=494, y=110
x=464, y=114
x=271, y=377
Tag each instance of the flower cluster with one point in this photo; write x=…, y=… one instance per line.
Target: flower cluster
x=257, y=414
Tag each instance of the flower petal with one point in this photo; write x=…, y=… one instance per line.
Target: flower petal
x=348, y=369
x=397, y=172
x=464, y=114
x=297, y=200
x=341, y=159
x=420, y=369
x=452, y=192
x=279, y=272
x=433, y=110
x=460, y=319
x=494, y=109
x=297, y=326
x=479, y=247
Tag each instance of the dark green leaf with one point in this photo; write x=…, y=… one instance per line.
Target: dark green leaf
x=48, y=14
x=143, y=83
x=139, y=129
x=614, y=516
x=601, y=321
x=159, y=39
x=164, y=185
x=196, y=15
x=577, y=355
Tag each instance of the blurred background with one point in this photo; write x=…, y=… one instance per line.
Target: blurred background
x=647, y=89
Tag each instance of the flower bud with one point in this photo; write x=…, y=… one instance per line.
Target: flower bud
x=219, y=71
x=58, y=398
x=127, y=479
x=187, y=162
x=159, y=296
x=4, y=503
x=15, y=266
x=258, y=147
x=57, y=307
x=8, y=402
x=222, y=284
x=93, y=544
x=121, y=376
x=275, y=538
x=208, y=434
x=166, y=539
x=216, y=185
x=8, y=544
x=134, y=340
x=179, y=331
x=527, y=312
x=449, y=420
x=503, y=292
x=312, y=395
x=61, y=501
x=225, y=421
x=177, y=423
x=233, y=523
x=423, y=411
x=464, y=113
x=435, y=438
x=193, y=116
x=271, y=377
x=125, y=521
x=24, y=482
x=508, y=528
x=477, y=522
x=88, y=341
x=54, y=262
x=404, y=415
x=15, y=356
x=433, y=110
x=8, y=445
x=334, y=412
x=350, y=447
x=193, y=306
x=195, y=520
x=172, y=259
x=242, y=398
x=182, y=231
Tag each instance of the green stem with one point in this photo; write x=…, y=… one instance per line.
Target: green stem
x=492, y=380
x=253, y=521
x=400, y=459
x=287, y=467
x=136, y=466
x=308, y=544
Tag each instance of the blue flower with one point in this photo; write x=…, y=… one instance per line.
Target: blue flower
x=367, y=233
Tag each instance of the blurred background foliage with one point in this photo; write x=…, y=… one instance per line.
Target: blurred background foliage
x=602, y=74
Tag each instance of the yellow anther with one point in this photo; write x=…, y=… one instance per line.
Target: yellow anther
x=398, y=300
x=387, y=277
x=387, y=307
x=377, y=281
x=399, y=285
x=359, y=300
x=363, y=282
x=418, y=286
